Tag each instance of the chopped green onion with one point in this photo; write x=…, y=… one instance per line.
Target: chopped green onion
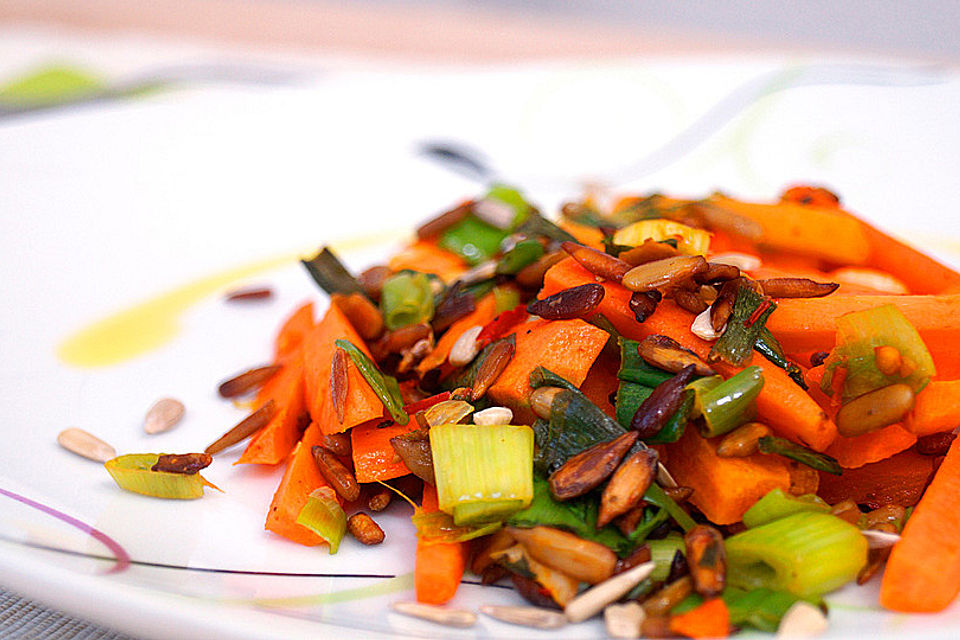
x=328, y=272
x=729, y=404
x=323, y=515
x=662, y=552
x=507, y=298
x=787, y=449
x=484, y=473
x=776, y=504
x=658, y=497
x=633, y=368
x=133, y=473
x=676, y=424
x=750, y=313
x=700, y=387
x=537, y=225
x=513, y=198
x=473, y=240
x=384, y=386
x=437, y=527
x=543, y=377
x=406, y=299
x=524, y=253
x=770, y=348
x=807, y=554
x=651, y=520
x=630, y=396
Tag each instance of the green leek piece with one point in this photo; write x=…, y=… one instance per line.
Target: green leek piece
x=406, y=299
x=133, y=473
x=543, y=377
x=537, y=225
x=327, y=271
x=700, y=387
x=676, y=424
x=323, y=515
x=769, y=347
x=776, y=504
x=524, y=253
x=730, y=403
x=578, y=516
x=513, y=198
x=807, y=554
x=858, y=334
x=506, y=298
x=658, y=497
x=787, y=449
x=473, y=240
x=735, y=345
x=652, y=518
x=630, y=396
x=484, y=473
x=662, y=552
x=633, y=368
x=384, y=386
x=437, y=527
x=584, y=214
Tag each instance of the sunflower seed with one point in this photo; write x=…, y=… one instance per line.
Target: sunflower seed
x=742, y=261
x=466, y=348
x=536, y=617
x=247, y=381
x=703, y=328
x=86, y=444
x=880, y=539
x=624, y=620
x=439, y=615
x=802, y=620
x=664, y=479
x=163, y=415
x=592, y=601
x=493, y=416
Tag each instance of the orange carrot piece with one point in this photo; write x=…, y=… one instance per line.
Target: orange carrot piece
x=937, y=408
x=300, y=478
x=723, y=488
x=899, y=479
x=374, y=458
x=272, y=443
x=565, y=347
x=426, y=256
x=293, y=330
x=439, y=567
x=485, y=312
x=602, y=381
x=589, y=236
x=709, y=620
x=362, y=404
x=857, y=451
x=923, y=572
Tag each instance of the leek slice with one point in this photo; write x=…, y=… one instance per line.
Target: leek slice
x=406, y=299
x=133, y=473
x=690, y=241
x=483, y=473
x=473, y=240
x=736, y=344
x=323, y=515
x=729, y=404
x=776, y=504
x=327, y=271
x=384, y=386
x=524, y=253
x=662, y=552
x=807, y=554
x=658, y=497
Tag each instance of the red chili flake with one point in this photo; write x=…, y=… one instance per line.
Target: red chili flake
x=759, y=311
x=501, y=325
x=426, y=403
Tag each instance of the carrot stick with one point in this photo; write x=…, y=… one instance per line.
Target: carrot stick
x=293, y=330
x=362, y=404
x=923, y=572
x=271, y=444
x=300, y=478
x=589, y=236
x=485, y=312
x=709, y=620
x=937, y=408
x=439, y=567
x=374, y=458
x=857, y=451
x=426, y=256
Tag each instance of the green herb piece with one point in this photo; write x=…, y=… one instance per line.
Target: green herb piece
x=677, y=424
x=537, y=225
x=513, y=198
x=437, y=527
x=406, y=299
x=543, y=377
x=770, y=348
x=776, y=504
x=806, y=554
x=760, y=609
x=630, y=396
x=633, y=368
x=658, y=497
x=384, y=386
x=651, y=520
x=484, y=473
x=787, y=449
x=473, y=240
x=729, y=404
x=524, y=253
x=327, y=271
x=323, y=515
x=750, y=312
x=134, y=472
x=662, y=552
x=583, y=214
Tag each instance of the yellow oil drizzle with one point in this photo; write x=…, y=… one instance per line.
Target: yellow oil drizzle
x=152, y=323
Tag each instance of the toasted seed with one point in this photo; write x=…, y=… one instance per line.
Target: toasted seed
x=586, y=470
x=623, y=620
x=722, y=307
x=638, y=556
x=163, y=415
x=493, y=416
x=802, y=620
x=85, y=444
x=597, y=262
x=410, y=357
x=592, y=601
x=689, y=301
x=706, y=559
x=649, y=251
x=587, y=561
x=456, y=303
x=492, y=366
x=339, y=382
x=667, y=354
x=880, y=539
x=531, y=591
x=185, y=463
x=875, y=410
x=796, y=288
x=654, y=412
x=703, y=328
x=885, y=516
x=338, y=443
x=664, y=479
x=536, y=617
x=466, y=348
x=678, y=494
x=656, y=627
x=876, y=558
x=627, y=485
x=364, y=529
x=870, y=278
x=337, y=474
x=718, y=272
x=363, y=315
x=661, y=602
x=644, y=303
x=847, y=510
x=249, y=294
x=663, y=273
x=743, y=441
x=414, y=450
x=708, y=293
x=817, y=358
x=742, y=261
x=935, y=444
x=247, y=381
x=372, y=280
x=887, y=359
x=531, y=276
x=380, y=500
x=245, y=428
x=437, y=614
x=399, y=339
x=541, y=400
x=437, y=225
x=574, y=302
x=678, y=567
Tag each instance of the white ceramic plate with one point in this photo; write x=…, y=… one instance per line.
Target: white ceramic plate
x=161, y=205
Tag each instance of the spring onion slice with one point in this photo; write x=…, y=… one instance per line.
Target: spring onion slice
x=484, y=473
x=327, y=271
x=736, y=343
x=776, y=504
x=662, y=552
x=730, y=403
x=524, y=253
x=133, y=473
x=323, y=515
x=537, y=225
x=656, y=496
x=807, y=554
x=513, y=198
x=406, y=299
x=633, y=368
x=437, y=527
x=787, y=449
x=769, y=347
x=473, y=240
x=385, y=387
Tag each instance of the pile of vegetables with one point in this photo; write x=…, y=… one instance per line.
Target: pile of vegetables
x=756, y=402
